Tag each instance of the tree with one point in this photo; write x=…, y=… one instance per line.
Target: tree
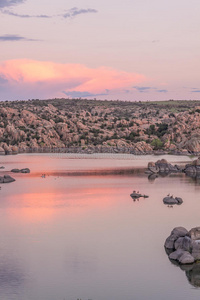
x=157, y=144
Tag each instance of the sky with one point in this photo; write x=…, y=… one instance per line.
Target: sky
x=128, y=50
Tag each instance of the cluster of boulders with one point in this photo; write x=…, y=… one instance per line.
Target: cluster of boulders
x=193, y=170
x=170, y=200
x=183, y=245
x=6, y=179
x=25, y=170
x=162, y=166
x=5, y=149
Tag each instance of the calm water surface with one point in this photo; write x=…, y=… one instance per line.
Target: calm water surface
x=77, y=234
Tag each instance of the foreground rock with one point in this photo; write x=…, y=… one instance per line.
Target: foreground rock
x=184, y=246
x=6, y=179
x=26, y=170
x=170, y=200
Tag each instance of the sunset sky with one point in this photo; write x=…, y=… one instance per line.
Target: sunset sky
x=128, y=50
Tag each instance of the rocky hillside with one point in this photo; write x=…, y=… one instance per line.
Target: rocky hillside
x=99, y=126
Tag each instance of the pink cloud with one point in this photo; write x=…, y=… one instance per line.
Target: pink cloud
x=29, y=78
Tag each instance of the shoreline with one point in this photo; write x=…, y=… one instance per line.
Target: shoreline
x=100, y=150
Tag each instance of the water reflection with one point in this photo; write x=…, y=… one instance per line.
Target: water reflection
x=102, y=172
x=193, y=274
x=12, y=276
x=189, y=178
x=192, y=271
x=75, y=232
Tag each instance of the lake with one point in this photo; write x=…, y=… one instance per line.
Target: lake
x=77, y=233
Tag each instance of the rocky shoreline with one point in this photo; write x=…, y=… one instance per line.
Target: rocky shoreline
x=94, y=149
x=163, y=167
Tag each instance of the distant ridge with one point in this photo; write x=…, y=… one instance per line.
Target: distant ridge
x=89, y=126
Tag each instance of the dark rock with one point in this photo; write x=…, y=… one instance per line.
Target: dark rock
x=15, y=170
x=26, y=170
x=135, y=195
x=170, y=200
x=6, y=179
x=180, y=200
x=162, y=166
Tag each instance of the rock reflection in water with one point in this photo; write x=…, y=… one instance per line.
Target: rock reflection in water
x=194, y=178
x=192, y=271
x=193, y=274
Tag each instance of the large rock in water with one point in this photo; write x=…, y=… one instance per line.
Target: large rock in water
x=152, y=167
x=25, y=170
x=169, y=200
x=6, y=179
x=175, y=234
x=184, y=245
x=162, y=166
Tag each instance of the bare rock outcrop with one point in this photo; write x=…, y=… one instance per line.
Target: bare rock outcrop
x=193, y=144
